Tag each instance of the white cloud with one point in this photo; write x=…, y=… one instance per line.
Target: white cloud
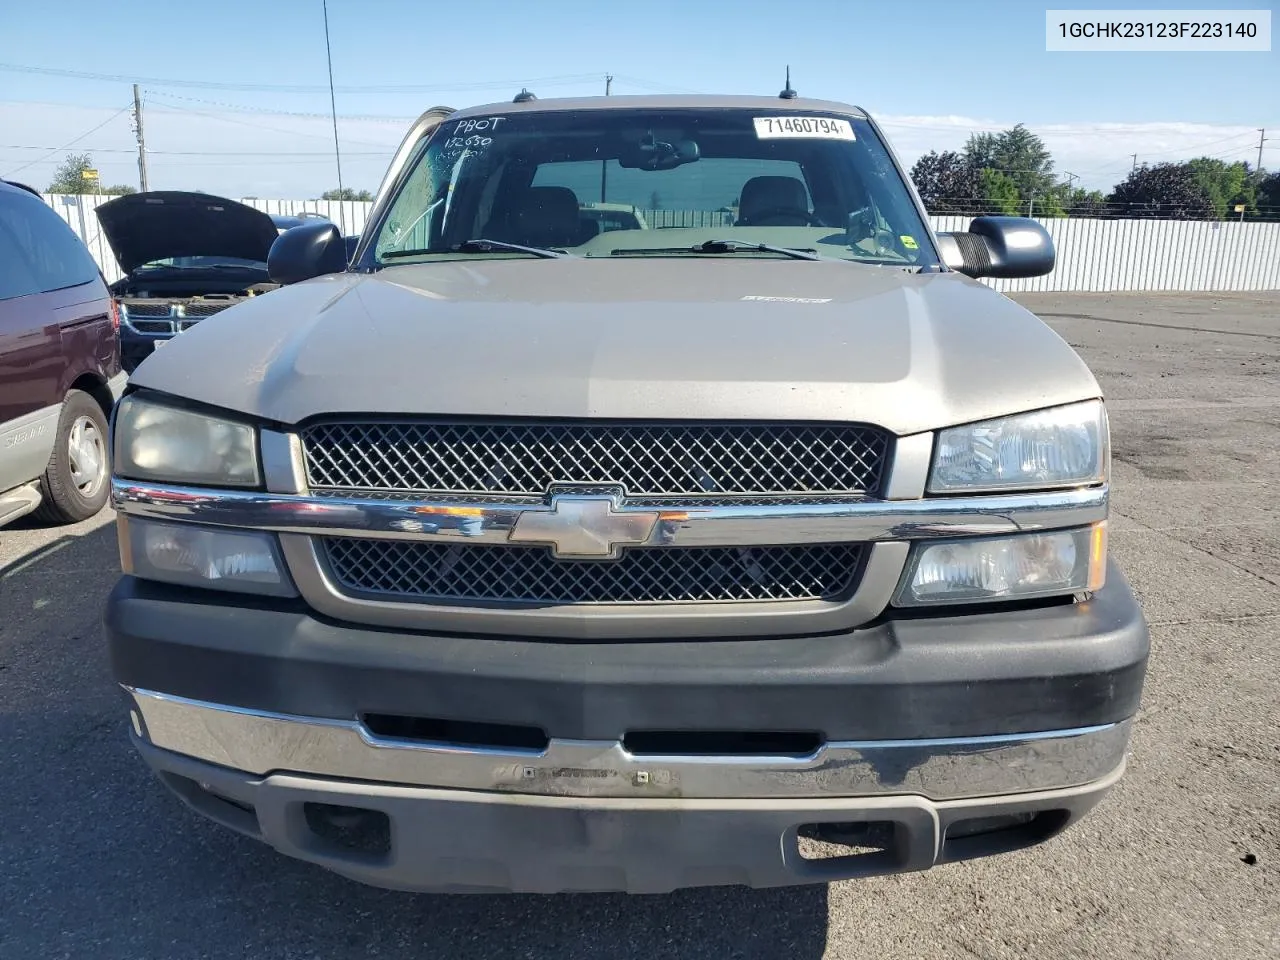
x=202, y=146
x=229, y=153
x=1100, y=154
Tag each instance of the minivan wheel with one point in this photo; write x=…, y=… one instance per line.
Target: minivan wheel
x=74, y=485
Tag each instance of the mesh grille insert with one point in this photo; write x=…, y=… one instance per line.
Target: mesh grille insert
x=136, y=309
x=205, y=309
x=413, y=571
x=706, y=460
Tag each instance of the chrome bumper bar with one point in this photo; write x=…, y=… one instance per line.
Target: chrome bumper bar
x=864, y=521
x=259, y=744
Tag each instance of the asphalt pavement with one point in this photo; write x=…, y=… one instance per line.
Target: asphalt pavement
x=98, y=861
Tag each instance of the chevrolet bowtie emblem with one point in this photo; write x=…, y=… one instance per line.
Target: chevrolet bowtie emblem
x=584, y=527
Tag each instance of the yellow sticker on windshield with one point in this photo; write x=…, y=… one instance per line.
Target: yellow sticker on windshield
x=909, y=242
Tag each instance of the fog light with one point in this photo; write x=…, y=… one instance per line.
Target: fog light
x=1006, y=568
x=243, y=561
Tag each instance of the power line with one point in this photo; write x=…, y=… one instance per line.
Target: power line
x=213, y=153
x=72, y=142
x=653, y=85
x=175, y=108
x=267, y=111
x=561, y=80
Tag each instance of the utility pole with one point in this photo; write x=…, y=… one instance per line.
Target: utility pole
x=142, y=140
x=604, y=164
x=1135, y=160
x=333, y=108
x=1262, y=138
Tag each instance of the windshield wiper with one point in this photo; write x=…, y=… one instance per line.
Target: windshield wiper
x=726, y=246
x=485, y=246
x=482, y=246
x=733, y=246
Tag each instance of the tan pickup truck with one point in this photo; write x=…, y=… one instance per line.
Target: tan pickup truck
x=517, y=555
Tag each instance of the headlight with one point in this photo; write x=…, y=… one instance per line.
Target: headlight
x=1059, y=447
x=154, y=441
x=1016, y=567
x=196, y=556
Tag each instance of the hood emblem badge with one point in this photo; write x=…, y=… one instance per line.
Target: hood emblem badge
x=580, y=527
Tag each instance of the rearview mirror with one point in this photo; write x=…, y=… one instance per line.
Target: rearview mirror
x=653, y=154
x=1002, y=247
x=308, y=250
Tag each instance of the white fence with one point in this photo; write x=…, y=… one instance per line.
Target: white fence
x=1093, y=255
x=1106, y=255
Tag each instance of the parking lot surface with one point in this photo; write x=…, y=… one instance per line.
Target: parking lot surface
x=1181, y=861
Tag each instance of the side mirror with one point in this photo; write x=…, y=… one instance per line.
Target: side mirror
x=308, y=250
x=351, y=243
x=1004, y=247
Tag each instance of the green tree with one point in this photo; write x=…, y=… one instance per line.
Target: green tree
x=1168, y=191
x=70, y=178
x=1085, y=203
x=980, y=150
x=1052, y=204
x=1226, y=184
x=1000, y=193
x=346, y=193
x=118, y=190
x=948, y=183
x=1268, y=192
x=1019, y=155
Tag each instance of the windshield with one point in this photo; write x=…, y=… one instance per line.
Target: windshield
x=203, y=263
x=632, y=182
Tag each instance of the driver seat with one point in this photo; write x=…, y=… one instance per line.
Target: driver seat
x=773, y=202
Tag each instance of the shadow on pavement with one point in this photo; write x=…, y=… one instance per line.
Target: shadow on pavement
x=99, y=860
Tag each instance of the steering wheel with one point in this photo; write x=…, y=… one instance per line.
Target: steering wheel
x=790, y=213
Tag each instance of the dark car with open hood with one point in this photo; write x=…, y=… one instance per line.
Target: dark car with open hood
x=186, y=256
x=59, y=366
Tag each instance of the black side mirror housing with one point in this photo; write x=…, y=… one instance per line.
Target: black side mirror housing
x=307, y=250
x=351, y=243
x=1003, y=247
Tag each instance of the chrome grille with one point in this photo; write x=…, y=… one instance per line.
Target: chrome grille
x=427, y=572
x=152, y=326
x=205, y=309
x=136, y=309
x=698, y=460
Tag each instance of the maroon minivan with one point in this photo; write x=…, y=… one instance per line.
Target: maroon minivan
x=59, y=366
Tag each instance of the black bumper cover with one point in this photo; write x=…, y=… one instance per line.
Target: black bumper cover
x=1013, y=671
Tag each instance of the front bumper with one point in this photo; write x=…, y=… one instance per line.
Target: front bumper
x=461, y=841
x=253, y=709
x=137, y=345
x=117, y=385
x=961, y=674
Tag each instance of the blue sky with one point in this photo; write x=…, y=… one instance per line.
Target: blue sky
x=932, y=71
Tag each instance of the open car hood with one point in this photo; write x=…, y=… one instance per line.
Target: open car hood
x=142, y=227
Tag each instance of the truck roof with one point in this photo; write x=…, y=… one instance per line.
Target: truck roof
x=664, y=102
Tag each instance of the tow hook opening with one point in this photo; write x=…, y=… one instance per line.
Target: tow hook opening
x=465, y=733
x=982, y=836
x=847, y=840
x=346, y=829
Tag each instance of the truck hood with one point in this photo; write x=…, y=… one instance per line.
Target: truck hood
x=142, y=227
x=689, y=338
